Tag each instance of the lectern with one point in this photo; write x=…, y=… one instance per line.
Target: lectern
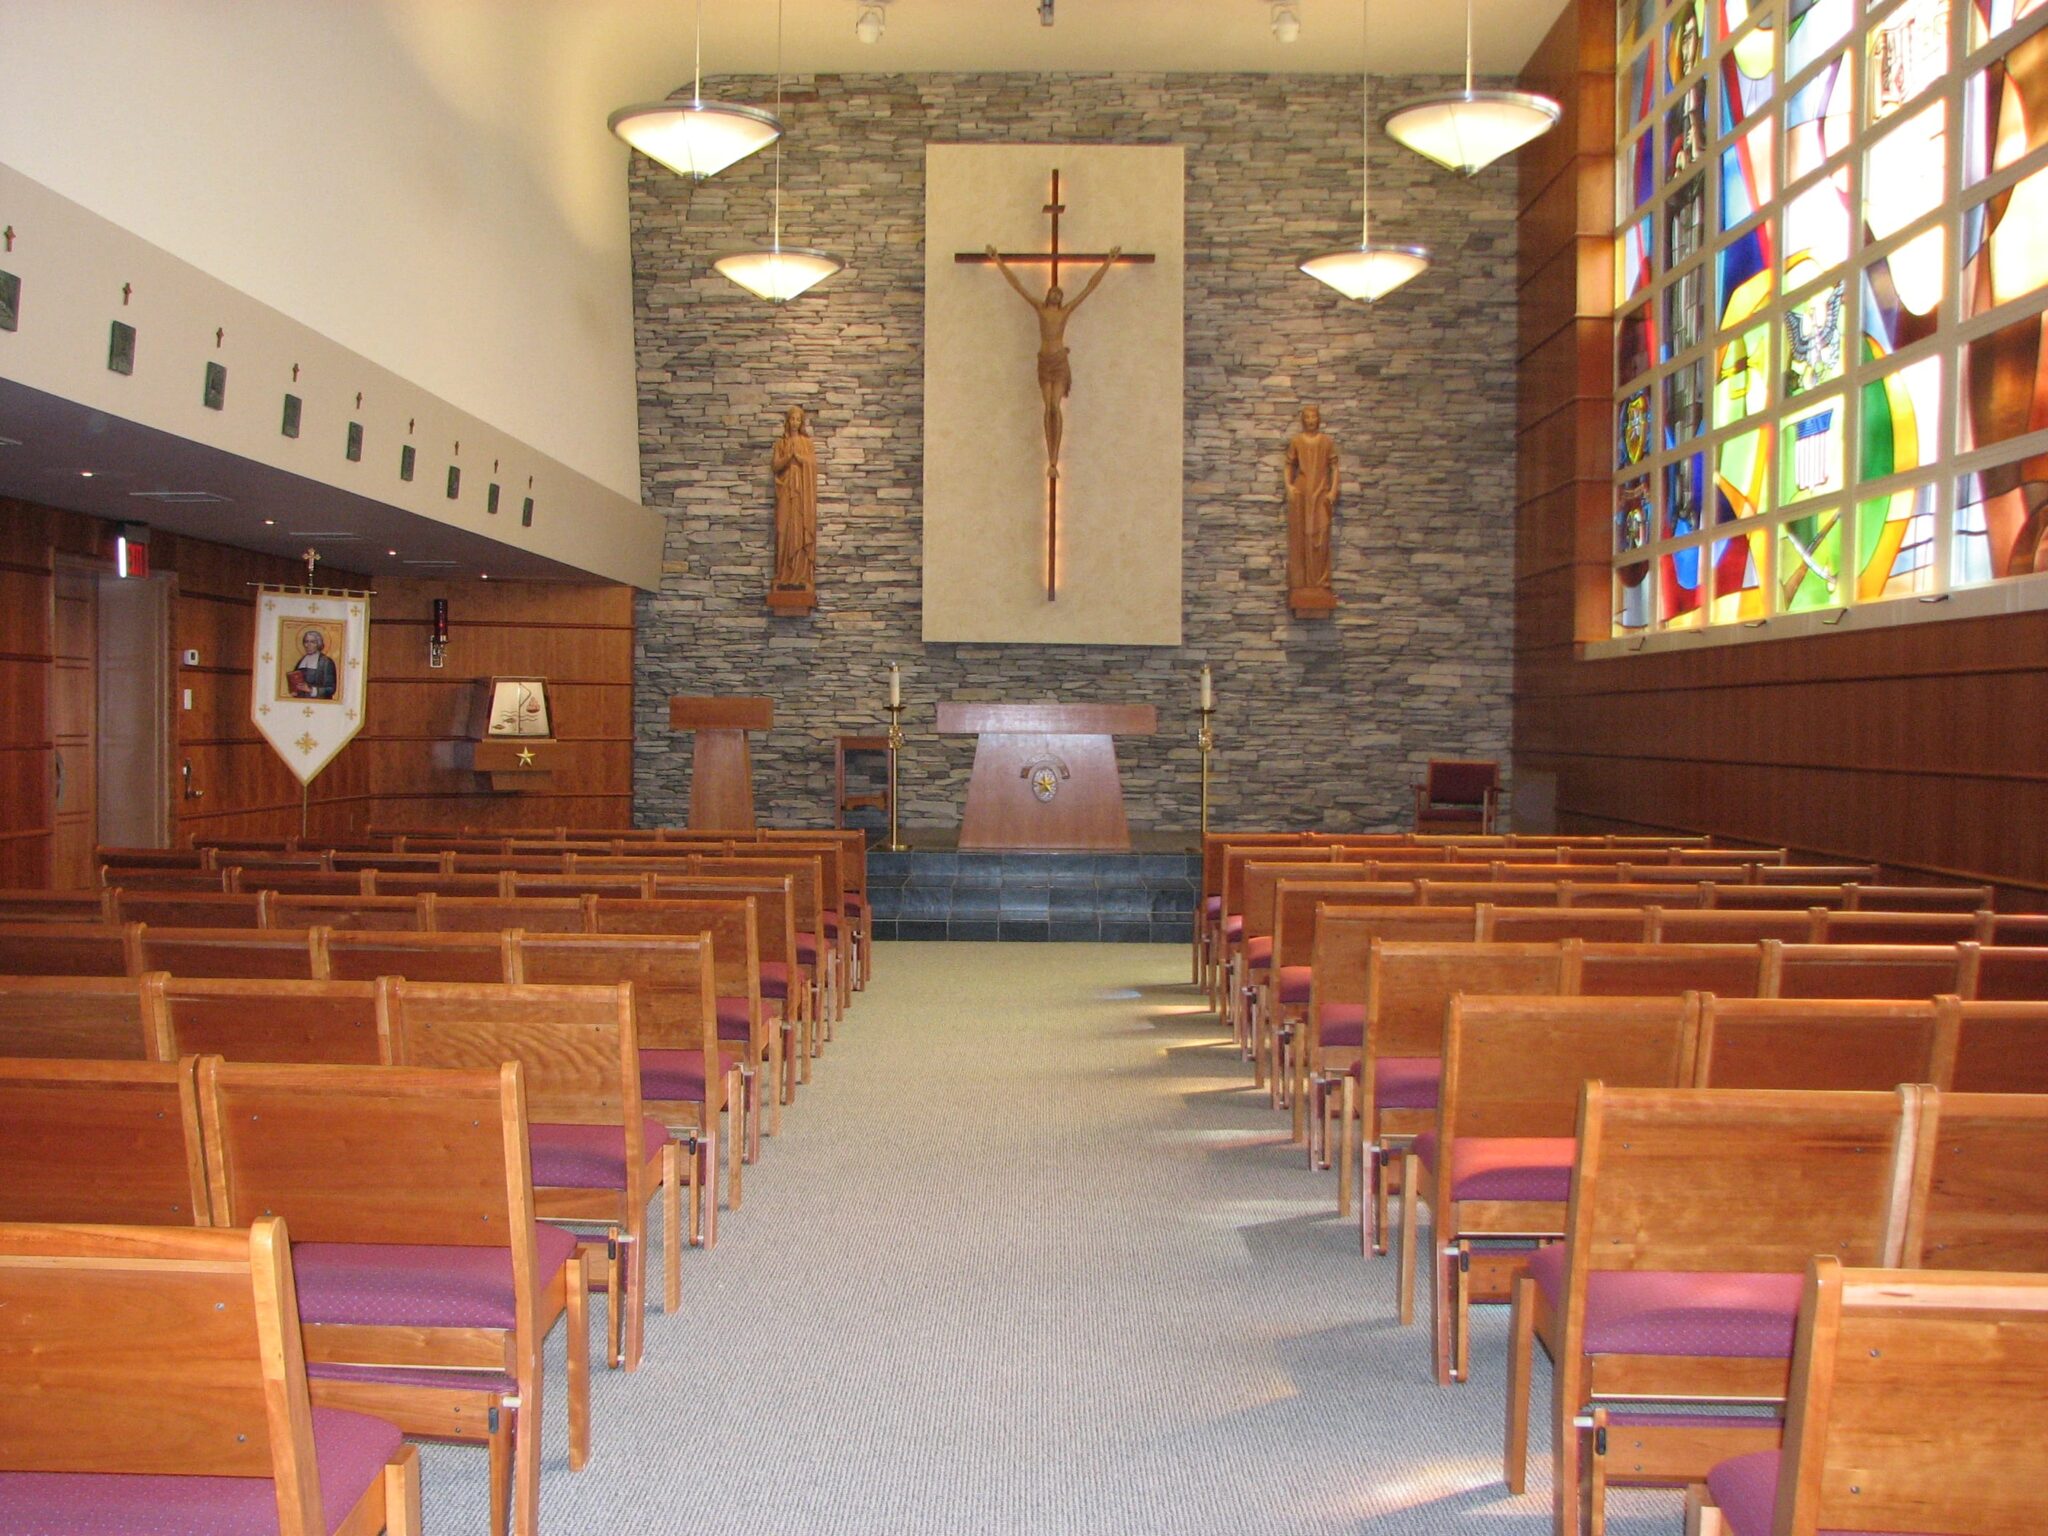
x=1045, y=775
x=721, y=767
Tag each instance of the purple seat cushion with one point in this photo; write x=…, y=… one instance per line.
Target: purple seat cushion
x=1406, y=1082
x=807, y=949
x=1233, y=926
x=1505, y=1167
x=1343, y=1024
x=733, y=1020
x=672, y=1075
x=352, y=1450
x=831, y=922
x=1258, y=952
x=1670, y=1312
x=420, y=1285
x=854, y=901
x=774, y=978
x=1294, y=983
x=587, y=1156
x=1746, y=1489
x=1212, y=906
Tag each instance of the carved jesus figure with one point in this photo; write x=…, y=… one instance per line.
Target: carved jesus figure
x=795, y=462
x=1311, y=501
x=1055, y=368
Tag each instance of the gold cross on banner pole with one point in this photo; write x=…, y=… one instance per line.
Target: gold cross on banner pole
x=1055, y=374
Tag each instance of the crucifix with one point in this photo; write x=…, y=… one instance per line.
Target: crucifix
x=1055, y=372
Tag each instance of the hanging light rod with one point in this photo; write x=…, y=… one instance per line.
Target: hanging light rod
x=781, y=272
x=696, y=138
x=1367, y=272
x=1466, y=131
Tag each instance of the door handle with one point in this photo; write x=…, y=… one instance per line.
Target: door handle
x=190, y=793
x=60, y=778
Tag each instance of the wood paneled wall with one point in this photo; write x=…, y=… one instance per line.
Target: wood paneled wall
x=1922, y=747
x=400, y=768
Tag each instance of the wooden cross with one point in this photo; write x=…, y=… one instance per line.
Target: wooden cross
x=1053, y=257
x=312, y=558
x=127, y=292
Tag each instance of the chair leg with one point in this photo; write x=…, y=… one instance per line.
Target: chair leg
x=500, y=1443
x=1564, y=1441
x=707, y=1153
x=1514, y=1456
x=1405, y=1287
x=1347, y=1110
x=736, y=1138
x=1382, y=1192
x=1702, y=1518
x=402, y=1493
x=1443, y=1298
x=526, y=1454
x=634, y=1291
x=615, y=1311
x=693, y=1155
x=1593, y=1457
x=671, y=1228
x=576, y=1306
x=750, y=1084
x=1461, y=1316
x=786, y=1044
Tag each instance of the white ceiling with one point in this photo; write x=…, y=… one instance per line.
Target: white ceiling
x=1144, y=35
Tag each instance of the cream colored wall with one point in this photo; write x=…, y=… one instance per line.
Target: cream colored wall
x=427, y=182
x=984, y=451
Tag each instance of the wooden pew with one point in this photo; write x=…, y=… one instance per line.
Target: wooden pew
x=852, y=843
x=1694, y=1202
x=1821, y=1043
x=101, y=1141
x=1722, y=925
x=1547, y=925
x=70, y=949
x=1207, y=948
x=136, y=1362
x=1253, y=991
x=687, y=1079
x=1666, y=970
x=282, y=954
x=580, y=1054
x=823, y=863
x=303, y=882
x=397, y=1271
x=387, y=914
x=192, y=909
x=1916, y=1405
x=341, y=1023
x=36, y=906
x=786, y=980
x=1497, y=1163
x=113, y=856
x=494, y=914
x=90, y=1018
x=1875, y=970
x=2013, y=973
x=1977, y=1199
x=365, y=955
x=2000, y=1047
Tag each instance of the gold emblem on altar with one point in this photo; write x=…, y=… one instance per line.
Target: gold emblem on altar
x=1044, y=777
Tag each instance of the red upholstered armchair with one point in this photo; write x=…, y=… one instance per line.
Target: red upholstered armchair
x=1458, y=795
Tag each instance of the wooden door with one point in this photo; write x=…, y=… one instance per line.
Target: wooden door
x=134, y=763
x=74, y=708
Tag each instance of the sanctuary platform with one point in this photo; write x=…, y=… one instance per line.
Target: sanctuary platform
x=936, y=891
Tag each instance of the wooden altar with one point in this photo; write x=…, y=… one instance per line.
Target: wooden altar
x=1045, y=775
x=721, y=766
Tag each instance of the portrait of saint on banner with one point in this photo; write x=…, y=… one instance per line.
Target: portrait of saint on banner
x=311, y=653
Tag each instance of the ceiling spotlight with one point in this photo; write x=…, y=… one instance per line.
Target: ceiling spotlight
x=1045, y=13
x=873, y=17
x=1286, y=21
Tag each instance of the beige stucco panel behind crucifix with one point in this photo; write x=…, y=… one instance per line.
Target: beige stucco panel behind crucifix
x=985, y=495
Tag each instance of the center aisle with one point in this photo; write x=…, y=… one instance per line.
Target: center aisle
x=1031, y=1256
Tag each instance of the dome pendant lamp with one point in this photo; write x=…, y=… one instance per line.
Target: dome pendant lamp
x=1466, y=131
x=779, y=273
x=696, y=138
x=1367, y=272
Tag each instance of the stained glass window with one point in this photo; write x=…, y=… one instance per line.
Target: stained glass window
x=1792, y=174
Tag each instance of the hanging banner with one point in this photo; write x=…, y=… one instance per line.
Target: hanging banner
x=310, y=674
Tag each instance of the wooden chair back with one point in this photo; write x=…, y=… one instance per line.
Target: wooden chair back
x=1781, y=898
x=1237, y=859
x=386, y=862
x=1434, y=892
x=673, y=982
x=619, y=886
x=1815, y=874
x=773, y=896
x=384, y=914
x=1515, y=1066
x=1821, y=1043
x=576, y=1045
x=1262, y=880
x=157, y=1353
x=733, y=927
x=2000, y=1047
x=283, y=954
x=69, y=949
x=148, y=879
x=1876, y=970
x=1664, y=970
x=2012, y=973
x=1409, y=987
x=33, y=906
x=101, y=1141
x=804, y=876
x=364, y=956
x=1916, y=1404
x=1721, y=925
x=1860, y=927
x=2023, y=929
x=1297, y=905
x=371, y=1154
x=194, y=909
x=92, y=1018
x=338, y=1022
x=1549, y=925
x=1639, y=893
x=449, y=883
x=1214, y=844
x=1978, y=1200
x=494, y=914
x=110, y=856
x=1716, y=1180
x=304, y=882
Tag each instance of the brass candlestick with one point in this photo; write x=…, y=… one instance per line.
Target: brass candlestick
x=1205, y=742
x=895, y=843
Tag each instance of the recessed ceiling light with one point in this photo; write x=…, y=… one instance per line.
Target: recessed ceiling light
x=270, y=522
x=391, y=552
x=486, y=575
x=85, y=474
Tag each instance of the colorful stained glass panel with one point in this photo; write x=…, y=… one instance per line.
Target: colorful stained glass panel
x=1906, y=170
x=1901, y=293
x=1632, y=430
x=1636, y=344
x=1901, y=420
x=1811, y=28
x=1739, y=577
x=1813, y=339
x=2005, y=114
x=1634, y=20
x=1816, y=236
x=1681, y=593
x=1633, y=253
x=1685, y=403
x=1685, y=131
x=1685, y=38
x=2003, y=390
x=1685, y=220
x=1988, y=18
x=2005, y=245
x=2001, y=516
x=1747, y=77
x=1746, y=175
x=1812, y=462
x=1635, y=175
x=1685, y=312
x=1895, y=545
x=1742, y=376
x=1818, y=120
x=1908, y=52
x=1742, y=470
x=1810, y=570
x=1685, y=497
x=1639, y=90
x=1632, y=532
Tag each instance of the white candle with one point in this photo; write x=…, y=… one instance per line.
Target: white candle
x=1208, y=690
x=895, y=687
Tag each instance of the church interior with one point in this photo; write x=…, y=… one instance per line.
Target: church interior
x=1024, y=765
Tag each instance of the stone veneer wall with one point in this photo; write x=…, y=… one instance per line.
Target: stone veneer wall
x=1319, y=724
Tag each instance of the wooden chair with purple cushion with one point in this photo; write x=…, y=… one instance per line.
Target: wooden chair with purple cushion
x=339, y=1023
x=70, y=949
x=834, y=935
x=1821, y=1043
x=420, y=1298
x=817, y=957
x=94, y=1018
x=1496, y=1167
x=580, y=1052
x=1208, y=927
x=853, y=873
x=687, y=1078
x=386, y=914
x=287, y=954
x=153, y=1379
x=1693, y=1213
x=786, y=988
x=743, y=1013
x=2000, y=1047
x=364, y=956
x=1978, y=1200
x=1916, y=1405
x=1229, y=956
x=1408, y=992
x=1458, y=795
x=2013, y=973
x=1255, y=1002
x=1876, y=970
x=101, y=1141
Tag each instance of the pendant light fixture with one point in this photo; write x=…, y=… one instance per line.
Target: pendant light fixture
x=1367, y=271
x=1466, y=131
x=696, y=138
x=781, y=272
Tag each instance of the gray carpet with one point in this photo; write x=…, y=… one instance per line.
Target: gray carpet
x=1031, y=1256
